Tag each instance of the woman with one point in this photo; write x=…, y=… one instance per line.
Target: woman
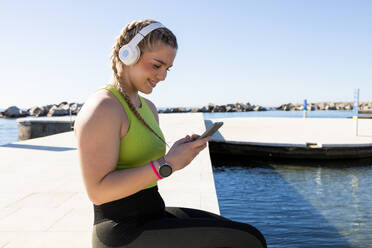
x=122, y=155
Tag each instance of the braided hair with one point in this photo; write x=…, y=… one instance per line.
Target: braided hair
x=148, y=43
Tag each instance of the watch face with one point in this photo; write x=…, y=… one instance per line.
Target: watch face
x=165, y=170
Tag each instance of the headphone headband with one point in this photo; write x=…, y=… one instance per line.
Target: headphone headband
x=143, y=32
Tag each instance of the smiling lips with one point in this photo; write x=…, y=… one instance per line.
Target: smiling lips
x=152, y=84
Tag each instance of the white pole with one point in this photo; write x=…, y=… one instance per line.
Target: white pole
x=355, y=109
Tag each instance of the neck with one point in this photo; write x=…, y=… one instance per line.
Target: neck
x=131, y=93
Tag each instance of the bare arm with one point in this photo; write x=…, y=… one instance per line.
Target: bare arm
x=97, y=130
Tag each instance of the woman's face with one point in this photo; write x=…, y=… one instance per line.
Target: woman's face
x=151, y=68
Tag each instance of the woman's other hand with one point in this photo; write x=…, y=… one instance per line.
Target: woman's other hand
x=185, y=150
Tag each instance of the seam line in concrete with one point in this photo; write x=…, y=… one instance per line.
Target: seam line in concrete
x=15, y=202
x=71, y=196
x=55, y=222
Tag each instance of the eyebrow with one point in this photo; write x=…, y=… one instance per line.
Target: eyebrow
x=160, y=61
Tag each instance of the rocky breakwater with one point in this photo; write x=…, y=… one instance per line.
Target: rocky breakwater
x=362, y=107
x=61, y=109
x=238, y=107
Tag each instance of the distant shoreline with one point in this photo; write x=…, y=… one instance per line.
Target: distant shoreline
x=66, y=108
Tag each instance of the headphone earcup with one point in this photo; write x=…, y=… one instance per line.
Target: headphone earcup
x=129, y=55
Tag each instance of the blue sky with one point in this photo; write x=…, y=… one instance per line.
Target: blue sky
x=263, y=52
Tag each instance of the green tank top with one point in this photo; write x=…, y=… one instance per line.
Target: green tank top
x=139, y=146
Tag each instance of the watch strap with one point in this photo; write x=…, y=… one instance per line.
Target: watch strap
x=155, y=171
x=162, y=161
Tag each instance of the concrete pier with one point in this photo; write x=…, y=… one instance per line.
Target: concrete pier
x=314, y=138
x=42, y=197
x=29, y=128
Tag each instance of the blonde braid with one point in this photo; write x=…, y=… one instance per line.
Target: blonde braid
x=126, y=35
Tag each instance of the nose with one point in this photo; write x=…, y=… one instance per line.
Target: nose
x=161, y=75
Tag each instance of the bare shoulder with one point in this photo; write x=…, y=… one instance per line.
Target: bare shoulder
x=153, y=108
x=101, y=108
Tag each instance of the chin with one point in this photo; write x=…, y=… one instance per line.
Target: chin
x=147, y=92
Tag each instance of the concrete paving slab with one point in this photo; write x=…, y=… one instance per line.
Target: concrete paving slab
x=76, y=220
x=8, y=197
x=50, y=239
x=42, y=200
x=31, y=219
x=79, y=200
x=6, y=238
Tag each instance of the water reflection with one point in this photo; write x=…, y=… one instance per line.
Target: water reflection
x=300, y=206
x=318, y=180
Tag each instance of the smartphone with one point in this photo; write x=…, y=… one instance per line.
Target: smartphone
x=211, y=130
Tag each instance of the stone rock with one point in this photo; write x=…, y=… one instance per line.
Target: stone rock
x=194, y=110
x=341, y=105
x=203, y=109
x=221, y=108
x=229, y=108
x=297, y=107
x=37, y=111
x=14, y=112
x=331, y=107
x=283, y=107
x=182, y=110
x=62, y=104
x=288, y=107
x=368, y=107
x=214, y=109
x=348, y=107
x=75, y=108
x=24, y=113
x=258, y=108
x=321, y=106
x=55, y=111
x=167, y=110
x=211, y=107
x=48, y=107
x=239, y=105
x=248, y=107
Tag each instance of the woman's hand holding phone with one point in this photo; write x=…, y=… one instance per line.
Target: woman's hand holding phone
x=185, y=150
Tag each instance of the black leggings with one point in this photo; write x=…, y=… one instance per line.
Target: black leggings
x=142, y=220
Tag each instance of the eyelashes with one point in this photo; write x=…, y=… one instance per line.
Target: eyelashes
x=158, y=66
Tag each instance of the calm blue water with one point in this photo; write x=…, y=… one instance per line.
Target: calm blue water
x=292, y=205
x=8, y=131
x=297, y=206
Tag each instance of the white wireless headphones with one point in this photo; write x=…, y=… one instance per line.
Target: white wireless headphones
x=130, y=53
